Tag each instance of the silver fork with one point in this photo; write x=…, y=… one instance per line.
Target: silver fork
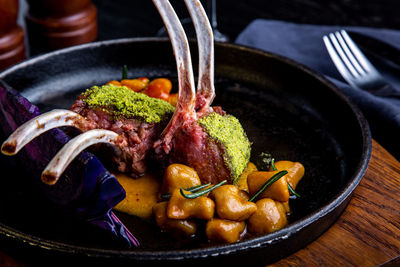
x=355, y=68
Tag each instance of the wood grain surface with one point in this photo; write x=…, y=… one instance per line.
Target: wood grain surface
x=366, y=234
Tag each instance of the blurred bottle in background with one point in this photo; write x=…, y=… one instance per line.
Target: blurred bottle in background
x=12, y=40
x=55, y=24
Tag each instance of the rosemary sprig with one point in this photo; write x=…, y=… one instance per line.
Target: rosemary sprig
x=192, y=189
x=203, y=192
x=124, y=72
x=268, y=183
x=291, y=190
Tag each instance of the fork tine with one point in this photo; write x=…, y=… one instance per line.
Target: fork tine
x=349, y=54
x=205, y=42
x=337, y=60
x=357, y=52
x=343, y=56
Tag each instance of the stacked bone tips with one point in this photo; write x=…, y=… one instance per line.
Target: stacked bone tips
x=85, y=180
x=50, y=120
x=198, y=135
x=118, y=116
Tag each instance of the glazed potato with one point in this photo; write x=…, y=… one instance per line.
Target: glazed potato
x=295, y=171
x=270, y=216
x=224, y=231
x=277, y=191
x=286, y=206
x=230, y=205
x=141, y=195
x=179, y=176
x=242, y=182
x=244, y=195
x=185, y=228
x=180, y=207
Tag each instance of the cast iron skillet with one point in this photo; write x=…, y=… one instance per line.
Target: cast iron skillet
x=285, y=108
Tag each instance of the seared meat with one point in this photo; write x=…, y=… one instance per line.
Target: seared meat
x=105, y=108
x=202, y=137
x=193, y=147
x=201, y=145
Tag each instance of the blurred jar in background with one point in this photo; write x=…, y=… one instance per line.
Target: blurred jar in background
x=12, y=41
x=55, y=24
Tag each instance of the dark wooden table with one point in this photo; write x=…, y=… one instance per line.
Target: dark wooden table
x=366, y=234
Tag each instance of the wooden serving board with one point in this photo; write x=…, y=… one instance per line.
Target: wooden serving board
x=366, y=234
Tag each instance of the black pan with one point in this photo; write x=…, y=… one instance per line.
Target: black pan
x=285, y=108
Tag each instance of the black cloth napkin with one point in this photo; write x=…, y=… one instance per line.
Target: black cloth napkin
x=303, y=43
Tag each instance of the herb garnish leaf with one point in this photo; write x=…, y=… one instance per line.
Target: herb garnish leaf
x=268, y=183
x=192, y=189
x=202, y=192
x=292, y=191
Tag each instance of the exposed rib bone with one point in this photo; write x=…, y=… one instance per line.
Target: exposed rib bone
x=181, y=49
x=205, y=42
x=185, y=108
x=38, y=125
x=75, y=146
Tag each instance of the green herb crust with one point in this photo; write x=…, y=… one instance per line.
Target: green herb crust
x=228, y=131
x=120, y=101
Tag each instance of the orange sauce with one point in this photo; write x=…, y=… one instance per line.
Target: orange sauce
x=141, y=194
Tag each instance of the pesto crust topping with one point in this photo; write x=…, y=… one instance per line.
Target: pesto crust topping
x=228, y=131
x=120, y=101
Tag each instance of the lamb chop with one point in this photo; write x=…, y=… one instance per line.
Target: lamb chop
x=198, y=135
x=137, y=118
x=128, y=120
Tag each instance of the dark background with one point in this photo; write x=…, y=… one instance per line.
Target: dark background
x=140, y=18
x=133, y=18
